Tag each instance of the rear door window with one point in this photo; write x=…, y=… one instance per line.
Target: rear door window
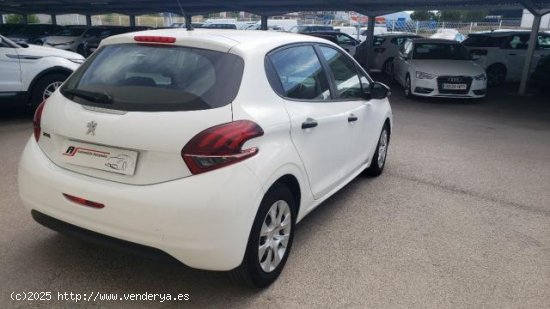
x=158, y=78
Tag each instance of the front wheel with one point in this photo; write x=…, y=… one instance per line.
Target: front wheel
x=407, y=88
x=379, y=159
x=44, y=88
x=270, y=239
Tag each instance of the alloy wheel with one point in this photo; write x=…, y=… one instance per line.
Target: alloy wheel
x=274, y=236
x=50, y=89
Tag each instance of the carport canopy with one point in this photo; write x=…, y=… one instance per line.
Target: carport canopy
x=265, y=8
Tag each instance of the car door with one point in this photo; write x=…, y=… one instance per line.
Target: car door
x=515, y=51
x=319, y=125
x=401, y=63
x=350, y=86
x=543, y=48
x=10, y=77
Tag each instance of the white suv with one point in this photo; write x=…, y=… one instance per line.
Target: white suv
x=31, y=73
x=205, y=145
x=502, y=53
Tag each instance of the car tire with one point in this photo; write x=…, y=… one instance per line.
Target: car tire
x=387, y=68
x=252, y=271
x=378, y=161
x=407, y=87
x=45, y=87
x=496, y=75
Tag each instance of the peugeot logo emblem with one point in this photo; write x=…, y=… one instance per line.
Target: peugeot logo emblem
x=92, y=125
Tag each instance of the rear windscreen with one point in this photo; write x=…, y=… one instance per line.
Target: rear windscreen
x=138, y=77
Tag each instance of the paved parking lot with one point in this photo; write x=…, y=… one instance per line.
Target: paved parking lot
x=460, y=218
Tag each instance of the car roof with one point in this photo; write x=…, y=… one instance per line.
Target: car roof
x=220, y=40
x=501, y=32
x=388, y=34
x=440, y=41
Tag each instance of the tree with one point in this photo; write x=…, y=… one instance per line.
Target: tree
x=423, y=15
x=18, y=19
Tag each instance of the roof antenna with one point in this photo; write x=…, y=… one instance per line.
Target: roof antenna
x=188, y=24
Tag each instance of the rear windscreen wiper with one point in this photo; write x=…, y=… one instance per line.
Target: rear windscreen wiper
x=96, y=97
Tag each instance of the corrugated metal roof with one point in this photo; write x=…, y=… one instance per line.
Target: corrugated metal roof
x=261, y=7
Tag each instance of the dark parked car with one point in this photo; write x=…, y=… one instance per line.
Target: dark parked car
x=6, y=29
x=347, y=42
x=31, y=34
x=92, y=43
x=541, y=76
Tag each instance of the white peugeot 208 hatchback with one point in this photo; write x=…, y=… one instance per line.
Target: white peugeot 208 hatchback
x=203, y=146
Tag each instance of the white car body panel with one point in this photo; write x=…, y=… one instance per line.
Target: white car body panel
x=25, y=64
x=202, y=220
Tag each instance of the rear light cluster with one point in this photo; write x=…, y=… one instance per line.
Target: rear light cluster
x=220, y=146
x=154, y=39
x=36, y=121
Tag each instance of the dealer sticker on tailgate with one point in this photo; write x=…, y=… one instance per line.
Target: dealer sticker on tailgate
x=110, y=159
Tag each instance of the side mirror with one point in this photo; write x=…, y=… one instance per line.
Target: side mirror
x=378, y=90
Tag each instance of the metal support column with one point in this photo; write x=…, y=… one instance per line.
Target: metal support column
x=263, y=25
x=132, y=20
x=89, y=20
x=53, y=18
x=530, y=54
x=370, y=41
x=1, y=19
x=25, y=19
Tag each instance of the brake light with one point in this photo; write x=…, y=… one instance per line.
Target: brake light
x=379, y=50
x=37, y=120
x=220, y=146
x=154, y=39
x=83, y=202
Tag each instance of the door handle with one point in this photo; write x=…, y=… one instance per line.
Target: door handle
x=352, y=118
x=309, y=123
x=512, y=54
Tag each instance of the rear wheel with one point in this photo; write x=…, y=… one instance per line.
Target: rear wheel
x=496, y=74
x=45, y=87
x=379, y=159
x=270, y=239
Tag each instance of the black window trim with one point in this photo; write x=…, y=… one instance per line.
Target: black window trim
x=272, y=76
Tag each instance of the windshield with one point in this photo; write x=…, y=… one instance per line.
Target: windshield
x=7, y=42
x=440, y=51
x=139, y=77
x=71, y=31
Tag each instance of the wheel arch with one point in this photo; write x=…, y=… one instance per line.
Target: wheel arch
x=291, y=182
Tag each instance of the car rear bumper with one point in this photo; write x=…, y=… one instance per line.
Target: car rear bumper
x=203, y=221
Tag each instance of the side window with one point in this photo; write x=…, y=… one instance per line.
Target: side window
x=343, y=39
x=517, y=42
x=301, y=74
x=544, y=42
x=348, y=85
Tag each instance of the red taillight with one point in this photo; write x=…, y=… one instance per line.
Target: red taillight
x=83, y=201
x=379, y=50
x=154, y=39
x=37, y=119
x=220, y=146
